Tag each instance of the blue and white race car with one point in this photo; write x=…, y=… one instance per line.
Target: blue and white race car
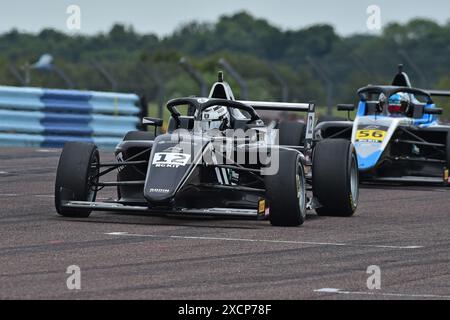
x=396, y=133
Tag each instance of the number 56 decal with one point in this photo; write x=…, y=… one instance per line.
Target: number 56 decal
x=168, y=159
x=370, y=135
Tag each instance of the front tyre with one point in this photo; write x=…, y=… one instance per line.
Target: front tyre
x=335, y=178
x=76, y=177
x=286, y=191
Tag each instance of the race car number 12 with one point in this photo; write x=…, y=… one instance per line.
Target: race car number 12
x=168, y=159
x=370, y=135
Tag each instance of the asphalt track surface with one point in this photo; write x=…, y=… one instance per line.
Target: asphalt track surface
x=405, y=232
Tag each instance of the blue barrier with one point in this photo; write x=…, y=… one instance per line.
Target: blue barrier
x=35, y=117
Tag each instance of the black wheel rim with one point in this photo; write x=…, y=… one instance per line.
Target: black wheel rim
x=354, y=181
x=301, y=195
x=93, y=178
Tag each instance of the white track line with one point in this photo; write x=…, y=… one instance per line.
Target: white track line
x=36, y=195
x=373, y=293
x=26, y=195
x=262, y=240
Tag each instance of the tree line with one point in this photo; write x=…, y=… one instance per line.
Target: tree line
x=315, y=63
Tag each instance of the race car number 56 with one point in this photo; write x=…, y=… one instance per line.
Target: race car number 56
x=169, y=159
x=370, y=135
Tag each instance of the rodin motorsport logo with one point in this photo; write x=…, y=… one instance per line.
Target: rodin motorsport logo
x=255, y=147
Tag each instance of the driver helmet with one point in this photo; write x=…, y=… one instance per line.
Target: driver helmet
x=399, y=104
x=213, y=117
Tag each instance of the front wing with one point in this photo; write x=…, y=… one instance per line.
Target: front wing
x=444, y=181
x=134, y=209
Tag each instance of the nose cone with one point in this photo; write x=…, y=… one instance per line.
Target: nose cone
x=368, y=155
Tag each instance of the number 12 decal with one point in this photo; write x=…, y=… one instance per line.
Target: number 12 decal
x=168, y=159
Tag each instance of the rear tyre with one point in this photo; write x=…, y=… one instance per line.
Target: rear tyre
x=286, y=191
x=335, y=178
x=78, y=167
x=292, y=133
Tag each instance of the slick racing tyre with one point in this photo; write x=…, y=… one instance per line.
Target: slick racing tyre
x=78, y=168
x=286, y=191
x=335, y=178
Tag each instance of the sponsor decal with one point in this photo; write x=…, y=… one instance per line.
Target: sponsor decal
x=262, y=207
x=157, y=190
x=202, y=100
x=174, y=150
x=170, y=160
x=370, y=135
x=120, y=159
x=371, y=127
x=267, y=213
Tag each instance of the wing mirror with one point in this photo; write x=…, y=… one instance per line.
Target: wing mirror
x=152, y=122
x=346, y=107
x=432, y=111
x=155, y=122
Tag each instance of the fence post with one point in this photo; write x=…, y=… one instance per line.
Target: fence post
x=108, y=76
x=423, y=79
x=326, y=81
x=283, y=84
x=195, y=74
x=236, y=76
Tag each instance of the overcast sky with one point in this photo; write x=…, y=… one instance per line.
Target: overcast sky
x=163, y=16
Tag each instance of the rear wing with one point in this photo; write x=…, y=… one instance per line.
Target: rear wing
x=280, y=106
x=222, y=90
x=310, y=108
x=439, y=93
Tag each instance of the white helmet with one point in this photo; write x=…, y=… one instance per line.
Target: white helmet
x=213, y=117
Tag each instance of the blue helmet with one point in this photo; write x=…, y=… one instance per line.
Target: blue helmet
x=399, y=103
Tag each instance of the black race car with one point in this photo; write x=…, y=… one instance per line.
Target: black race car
x=235, y=171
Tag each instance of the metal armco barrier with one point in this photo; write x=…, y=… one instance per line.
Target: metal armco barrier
x=34, y=117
